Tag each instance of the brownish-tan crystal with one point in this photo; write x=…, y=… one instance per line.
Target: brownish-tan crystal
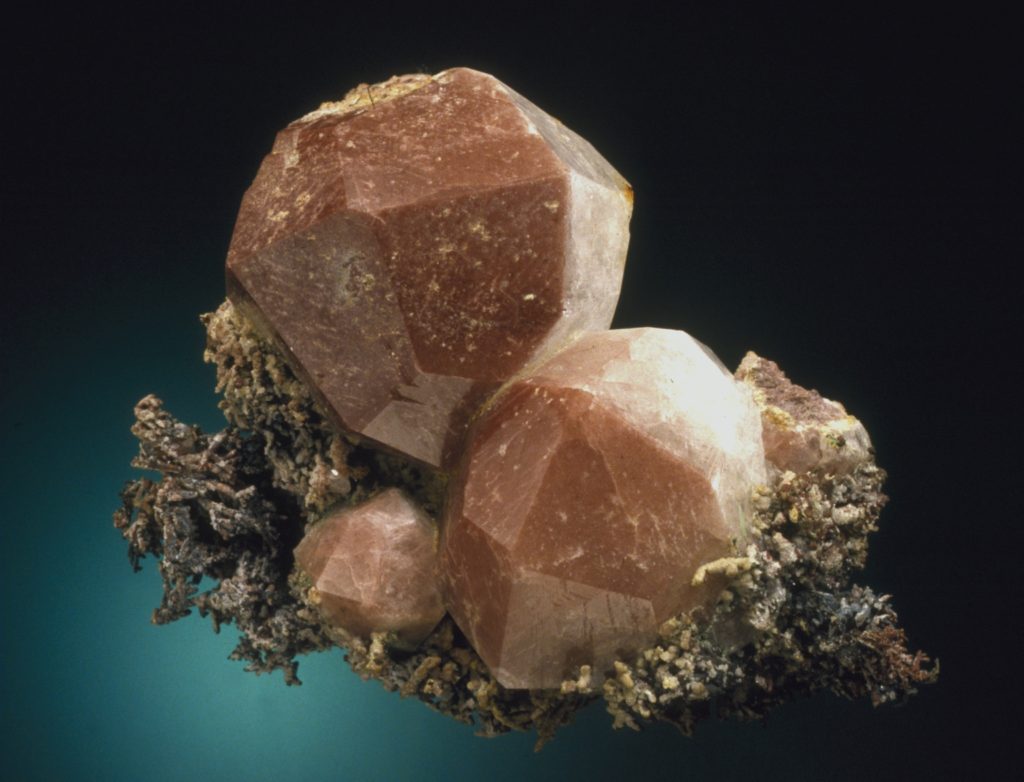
x=591, y=491
x=802, y=430
x=416, y=244
x=373, y=568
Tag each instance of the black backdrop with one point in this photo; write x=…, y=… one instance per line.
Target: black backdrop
x=830, y=189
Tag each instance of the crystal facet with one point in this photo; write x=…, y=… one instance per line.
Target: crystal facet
x=415, y=245
x=591, y=490
x=427, y=264
x=802, y=429
x=373, y=568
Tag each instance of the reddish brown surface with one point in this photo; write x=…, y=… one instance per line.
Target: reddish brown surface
x=408, y=256
x=802, y=430
x=570, y=536
x=373, y=567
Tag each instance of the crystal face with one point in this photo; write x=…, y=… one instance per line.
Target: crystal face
x=802, y=429
x=625, y=520
x=373, y=568
x=590, y=492
x=415, y=245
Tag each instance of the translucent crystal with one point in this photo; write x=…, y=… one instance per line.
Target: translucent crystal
x=591, y=491
x=415, y=245
x=373, y=568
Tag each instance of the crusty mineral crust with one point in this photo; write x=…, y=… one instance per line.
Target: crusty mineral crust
x=801, y=429
x=216, y=513
x=369, y=96
x=307, y=456
x=790, y=622
x=231, y=506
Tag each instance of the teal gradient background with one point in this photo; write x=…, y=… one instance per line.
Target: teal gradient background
x=827, y=191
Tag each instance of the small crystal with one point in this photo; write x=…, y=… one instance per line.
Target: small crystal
x=373, y=568
x=802, y=429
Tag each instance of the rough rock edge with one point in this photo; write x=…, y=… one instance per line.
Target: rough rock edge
x=261, y=395
x=788, y=624
x=232, y=507
x=307, y=456
x=215, y=512
x=368, y=96
x=801, y=429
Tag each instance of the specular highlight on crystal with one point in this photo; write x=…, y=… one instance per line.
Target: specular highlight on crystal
x=439, y=457
x=591, y=490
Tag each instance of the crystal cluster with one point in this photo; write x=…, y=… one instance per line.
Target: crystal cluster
x=412, y=253
x=501, y=507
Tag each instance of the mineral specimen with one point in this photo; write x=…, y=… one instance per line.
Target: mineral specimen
x=802, y=430
x=415, y=245
x=627, y=521
x=373, y=569
x=591, y=491
x=214, y=512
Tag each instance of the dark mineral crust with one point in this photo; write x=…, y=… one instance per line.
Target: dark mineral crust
x=232, y=506
x=216, y=513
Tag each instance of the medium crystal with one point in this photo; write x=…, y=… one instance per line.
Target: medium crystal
x=373, y=568
x=415, y=245
x=591, y=491
x=802, y=429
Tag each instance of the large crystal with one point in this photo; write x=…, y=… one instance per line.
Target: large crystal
x=802, y=430
x=591, y=491
x=373, y=568
x=414, y=245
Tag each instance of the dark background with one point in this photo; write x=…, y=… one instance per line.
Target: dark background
x=830, y=189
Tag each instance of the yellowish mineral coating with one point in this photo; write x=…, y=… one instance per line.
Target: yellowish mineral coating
x=368, y=96
x=261, y=394
x=802, y=430
x=726, y=566
x=776, y=415
x=419, y=676
x=582, y=684
x=623, y=675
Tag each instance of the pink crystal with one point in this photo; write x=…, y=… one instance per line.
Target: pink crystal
x=373, y=568
x=802, y=430
x=591, y=491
